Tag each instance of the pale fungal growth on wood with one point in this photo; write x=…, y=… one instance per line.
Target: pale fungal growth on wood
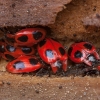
x=93, y=20
x=92, y=23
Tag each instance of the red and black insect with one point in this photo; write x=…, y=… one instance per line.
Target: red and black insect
x=12, y=52
x=53, y=53
x=24, y=64
x=83, y=52
x=26, y=37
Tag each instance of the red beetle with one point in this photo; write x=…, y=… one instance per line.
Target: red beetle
x=23, y=64
x=53, y=53
x=12, y=52
x=26, y=37
x=83, y=52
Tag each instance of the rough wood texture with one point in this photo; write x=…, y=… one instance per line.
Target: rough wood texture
x=15, y=87
x=30, y=12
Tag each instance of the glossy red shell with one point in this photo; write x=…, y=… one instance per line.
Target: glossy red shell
x=15, y=52
x=26, y=37
x=50, y=51
x=23, y=64
x=85, y=49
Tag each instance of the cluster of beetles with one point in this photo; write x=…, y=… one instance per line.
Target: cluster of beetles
x=20, y=50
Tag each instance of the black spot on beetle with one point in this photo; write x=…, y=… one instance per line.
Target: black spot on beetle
x=18, y=65
x=10, y=48
x=23, y=38
x=49, y=53
x=37, y=35
x=70, y=50
x=26, y=50
x=78, y=54
x=2, y=49
x=42, y=43
x=62, y=51
x=33, y=61
x=9, y=57
x=88, y=46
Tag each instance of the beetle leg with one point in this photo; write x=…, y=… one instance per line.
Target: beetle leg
x=64, y=65
x=87, y=62
x=96, y=55
x=54, y=68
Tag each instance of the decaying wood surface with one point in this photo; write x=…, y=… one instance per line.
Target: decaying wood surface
x=30, y=12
